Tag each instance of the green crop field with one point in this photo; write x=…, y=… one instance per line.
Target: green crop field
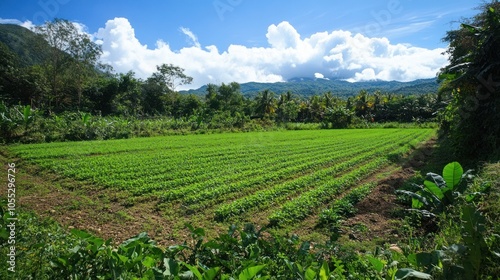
x=285, y=176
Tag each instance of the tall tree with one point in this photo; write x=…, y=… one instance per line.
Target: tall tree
x=85, y=54
x=159, y=89
x=72, y=57
x=265, y=104
x=287, y=108
x=230, y=97
x=172, y=76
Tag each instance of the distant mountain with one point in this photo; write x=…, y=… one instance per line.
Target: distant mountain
x=310, y=86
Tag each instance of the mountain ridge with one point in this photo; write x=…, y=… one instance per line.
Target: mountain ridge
x=312, y=86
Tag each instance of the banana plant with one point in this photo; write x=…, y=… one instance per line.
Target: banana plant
x=437, y=192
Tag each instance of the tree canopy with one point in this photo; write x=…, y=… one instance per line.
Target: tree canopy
x=472, y=83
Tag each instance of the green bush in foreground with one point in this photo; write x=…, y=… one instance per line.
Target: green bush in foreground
x=46, y=251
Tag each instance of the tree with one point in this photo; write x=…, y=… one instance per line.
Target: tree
x=316, y=108
x=473, y=84
x=152, y=91
x=85, y=54
x=8, y=71
x=128, y=100
x=211, y=100
x=229, y=97
x=265, y=104
x=287, y=108
x=172, y=76
x=20, y=85
x=159, y=89
x=361, y=105
x=72, y=59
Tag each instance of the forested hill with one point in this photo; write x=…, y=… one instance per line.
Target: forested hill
x=29, y=48
x=340, y=88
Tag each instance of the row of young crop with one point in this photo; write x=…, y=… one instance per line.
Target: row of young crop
x=283, y=171
x=261, y=199
x=166, y=169
x=273, y=168
x=60, y=150
x=239, y=172
x=228, y=170
x=335, y=162
x=153, y=145
x=272, y=174
x=179, y=171
x=305, y=204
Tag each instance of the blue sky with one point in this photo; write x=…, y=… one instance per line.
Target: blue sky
x=239, y=34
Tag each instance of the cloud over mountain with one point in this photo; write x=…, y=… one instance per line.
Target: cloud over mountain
x=336, y=54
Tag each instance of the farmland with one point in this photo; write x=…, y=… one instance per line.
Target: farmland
x=279, y=177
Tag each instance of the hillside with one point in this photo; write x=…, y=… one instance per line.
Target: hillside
x=340, y=88
x=30, y=48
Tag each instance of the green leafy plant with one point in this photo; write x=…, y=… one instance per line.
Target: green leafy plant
x=437, y=192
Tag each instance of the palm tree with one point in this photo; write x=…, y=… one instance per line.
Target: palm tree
x=361, y=105
x=266, y=103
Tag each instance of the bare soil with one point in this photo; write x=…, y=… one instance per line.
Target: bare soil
x=377, y=212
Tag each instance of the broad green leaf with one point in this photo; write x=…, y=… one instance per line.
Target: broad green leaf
x=211, y=273
x=324, y=272
x=199, y=232
x=148, y=262
x=416, y=204
x=122, y=258
x=304, y=248
x=376, y=263
x=452, y=174
x=417, y=200
x=81, y=234
x=310, y=274
x=436, y=179
x=250, y=272
x=194, y=270
x=434, y=189
x=405, y=273
x=26, y=114
x=171, y=267
x=412, y=259
x=424, y=259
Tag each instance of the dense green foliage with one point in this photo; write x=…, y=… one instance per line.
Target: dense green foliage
x=468, y=245
x=473, y=84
